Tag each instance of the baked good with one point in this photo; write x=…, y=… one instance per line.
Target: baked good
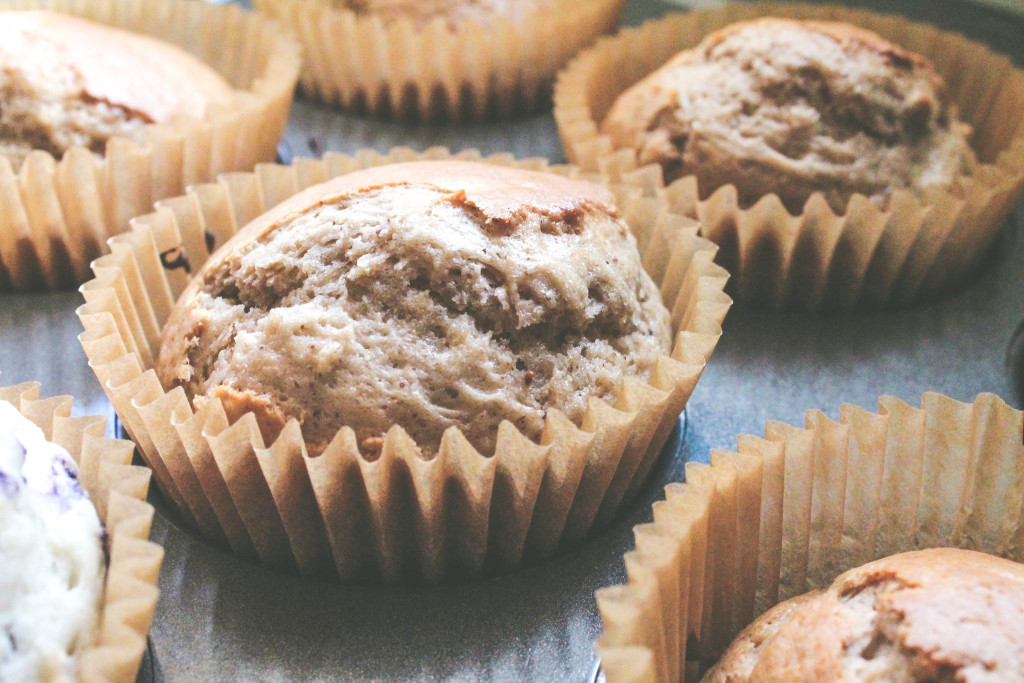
x=104, y=111
x=787, y=513
x=439, y=59
x=931, y=615
x=793, y=108
x=66, y=81
x=429, y=295
x=51, y=556
x=453, y=12
x=824, y=253
x=344, y=511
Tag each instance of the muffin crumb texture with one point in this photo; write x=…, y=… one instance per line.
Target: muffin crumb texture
x=428, y=295
x=65, y=81
x=792, y=108
x=938, y=616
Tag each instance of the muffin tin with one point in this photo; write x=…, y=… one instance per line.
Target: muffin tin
x=222, y=619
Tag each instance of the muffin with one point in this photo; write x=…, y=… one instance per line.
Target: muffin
x=926, y=615
x=452, y=12
x=430, y=295
x=51, y=556
x=109, y=106
x=793, y=108
x=78, y=576
x=439, y=59
x=825, y=190
x=786, y=514
x=408, y=486
x=66, y=81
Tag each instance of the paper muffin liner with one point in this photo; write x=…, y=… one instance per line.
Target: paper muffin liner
x=118, y=491
x=58, y=213
x=435, y=71
x=916, y=249
x=788, y=513
x=399, y=516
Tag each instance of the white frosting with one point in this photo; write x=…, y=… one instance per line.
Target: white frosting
x=51, y=556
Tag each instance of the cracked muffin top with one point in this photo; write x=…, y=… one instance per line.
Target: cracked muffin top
x=428, y=295
x=941, y=615
x=66, y=81
x=792, y=108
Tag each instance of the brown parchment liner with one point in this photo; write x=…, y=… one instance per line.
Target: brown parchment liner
x=787, y=513
x=56, y=214
x=917, y=249
x=397, y=517
x=118, y=491
x=467, y=71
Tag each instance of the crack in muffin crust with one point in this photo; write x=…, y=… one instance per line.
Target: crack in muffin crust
x=423, y=302
x=941, y=615
x=792, y=108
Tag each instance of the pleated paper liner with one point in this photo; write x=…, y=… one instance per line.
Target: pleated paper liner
x=118, y=491
x=400, y=516
x=436, y=71
x=916, y=249
x=58, y=213
x=788, y=513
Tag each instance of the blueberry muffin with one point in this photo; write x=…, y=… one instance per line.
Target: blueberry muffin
x=51, y=556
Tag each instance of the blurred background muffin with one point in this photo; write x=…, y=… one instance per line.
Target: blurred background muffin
x=453, y=12
x=852, y=181
x=794, y=108
x=65, y=81
x=440, y=59
x=109, y=106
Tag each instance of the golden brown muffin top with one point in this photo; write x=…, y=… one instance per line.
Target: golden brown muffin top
x=429, y=295
x=938, y=615
x=67, y=81
x=792, y=108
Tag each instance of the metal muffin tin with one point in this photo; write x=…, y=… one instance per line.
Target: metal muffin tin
x=221, y=619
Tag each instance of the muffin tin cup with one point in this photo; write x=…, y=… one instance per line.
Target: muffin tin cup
x=118, y=491
x=399, y=516
x=58, y=213
x=436, y=71
x=788, y=513
x=915, y=249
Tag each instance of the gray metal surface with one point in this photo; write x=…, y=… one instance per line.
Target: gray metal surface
x=221, y=619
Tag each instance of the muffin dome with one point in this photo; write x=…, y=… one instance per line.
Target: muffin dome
x=792, y=108
x=428, y=295
x=932, y=615
x=65, y=81
x=454, y=12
